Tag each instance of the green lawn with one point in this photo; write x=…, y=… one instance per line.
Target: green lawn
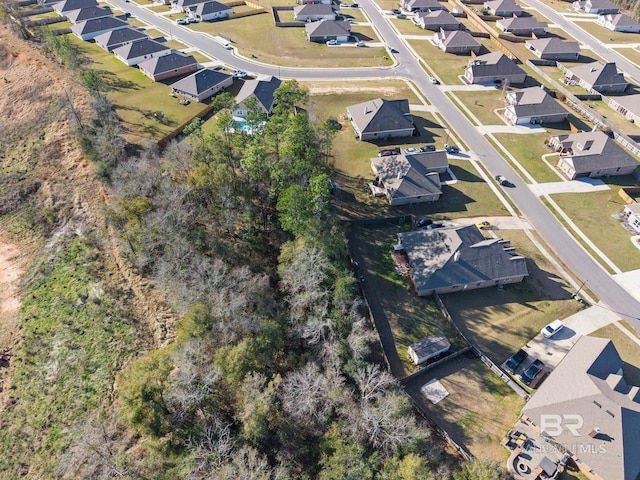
x=483, y=104
x=135, y=96
x=134, y=22
x=288, y=46
x=607, y=36
x=176, y=45
x=160, y=8
x=616, y=118
x=528, y=150
x=200, y=58
x=627, y=348
x=407, y=27
x=592, y=213
x=499, y=322
x=356, y=14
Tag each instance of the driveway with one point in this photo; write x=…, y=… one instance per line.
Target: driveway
x=570, y=186
x=497, y=223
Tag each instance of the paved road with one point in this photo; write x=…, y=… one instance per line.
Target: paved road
x=581, y=36
x=560, y=240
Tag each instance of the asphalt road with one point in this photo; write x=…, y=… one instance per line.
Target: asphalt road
x=551, y=230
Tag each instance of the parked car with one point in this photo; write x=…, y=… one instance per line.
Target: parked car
x=192, y=20
x=332, y=42
x=360, y=44
x=515, y=361
x=434, y=80
x=553, y=328
x=396, y=11
x=410, y=150
x=483, y=225
x=422, y=222
x=239, y=74
x=344, y=5
x=428, y=148
x=181, y=21
x=385, y=152
x=401, y=16
x=532, y=372
x=502, y=180
x=354, y=5
x=435, y=225
x=451, y=149
x=227, y=46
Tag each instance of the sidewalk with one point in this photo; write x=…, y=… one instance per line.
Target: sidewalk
x=569, y=186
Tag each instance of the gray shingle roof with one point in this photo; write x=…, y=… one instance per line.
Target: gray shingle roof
x=598, y=73
x=620, y=20
x=139, y=48
x=380, y=115
x=328, y=28
x=437, y=18
x=117, y=37
x=521, y=23
x=503, y=5
x=200, y=81
x=602, y=4
x=413, y=4
x=84, y=14
x=313, y=9
x=406, y=175
x=70, y=5
x=494, y=63
x=586, y=383
x=167, y=63
x=188, y=3
x=554, y=45
x=263, y=90
x=211, y=7
x=431, y=345
x=630, y=102
x=457, y=38
x=534, y=101
x=447, y=257
x=97, y=25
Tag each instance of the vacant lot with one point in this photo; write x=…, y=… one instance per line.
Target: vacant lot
x=607, y=36
x=528, y=150
x=483, y=104
x=391, y=296
x=479, y=410
x=593, y=214
x=258, y=35
x=499, y=322
x=628, y=350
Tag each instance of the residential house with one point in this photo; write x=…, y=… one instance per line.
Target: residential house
x=448, y=260
x=459, y=42
x=209, y=11
x=533, y=105
x=589, y=411
x=436, y=21
x=421, y=5
x=114, y=38
x=312, y=12
x=84, y=14
x=503, y=8
x=553, y=49
x=61, y=8
x=428, y=348
x=628, y=105
x=90, y=29
x=591, y=154
x=338, y=30
x=168, y=66
x=262, y=91
x=185, y=6
x=133, y=53
x=522, y=26
x=619, y=22
x=202, y=84
x=631, y=214
x=411, y=178
x=598, y=76
x=493, y=67
x=381, y=119
x=600, y=7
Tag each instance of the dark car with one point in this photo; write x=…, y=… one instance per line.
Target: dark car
x=515, y=361
x=423, y=222
x=532, y=372
x=385, y=152
x=428, y=148
x=435, y=225
x=396, y=11
x=451, y=149
x=355, y=5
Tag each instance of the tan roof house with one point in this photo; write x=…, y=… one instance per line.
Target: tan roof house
x=598, y=76
x=533, y=105
x=619, y=22
x=504, y=8
x=421, y=5
x=522, y=26
x=493, y=67
x=381, y=119
x=553, y=49
x=458, y=41
x=436, y=21
x=628, y=105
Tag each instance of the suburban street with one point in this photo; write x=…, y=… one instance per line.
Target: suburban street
x=552, y=231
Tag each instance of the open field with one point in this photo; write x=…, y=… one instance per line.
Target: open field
x=391, y=296
x=592, y=213
x=499, y=322
x=528, y=150
x=135, y=96
x=480, y=408
x=289, y=47
x=607, y=36
x=483, y=104
x=628, y=350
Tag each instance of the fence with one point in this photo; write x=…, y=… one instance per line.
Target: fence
x=164, y=141
x=247, y=14
x=435, y=364
x=31, y=13
x=626, y=192
x=44, y=21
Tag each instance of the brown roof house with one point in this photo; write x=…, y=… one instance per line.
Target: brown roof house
x=458, y=41
x=436, y=21
x=628, y=105
x=596, y=6
x=533, y=105
x=90, y=29
x=202, y=84
x=587, y=410
x=493, y=67
x=619, y=22
x=410, y=178
x=553, y=49
x=591, y=154
x=504, y=8
x=380, y=119
x=421, y=5
x=313, y=12
x=448, y=260
x=599, y=77
x=326, y=30
x=262, y=90
x=168, y=66
x=522, y=26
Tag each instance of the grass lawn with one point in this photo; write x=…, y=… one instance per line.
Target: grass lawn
x=616, y=118
x=628, y=350
x=592, y=213
x=447, y=66
x=407, y=27
x=135, y=96
x=483, y=104
x=135, y=22
x=480, y=407
x=153, y=33
x=176, y=45
x=288, y=46
x=160, y=8
x=200, y=58
x=630, y=54
x=356, y=14
x=499, y=322
x=411, y=318
x=607, y=36
x=387, y=5
x=528, y=150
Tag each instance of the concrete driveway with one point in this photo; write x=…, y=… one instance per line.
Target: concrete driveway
x=497, y=223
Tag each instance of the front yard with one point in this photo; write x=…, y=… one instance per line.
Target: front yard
x=607, y=36
x=528, y=150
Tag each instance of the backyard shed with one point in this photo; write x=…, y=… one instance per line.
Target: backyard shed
x=429, y=348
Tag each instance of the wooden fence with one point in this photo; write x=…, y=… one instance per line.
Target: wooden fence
x=164, y=141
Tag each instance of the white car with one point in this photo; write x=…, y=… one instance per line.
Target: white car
x=551, y=329
x=332, y=42
x=434, y=80
x=360, y=44
x=227, y=46
x=239, y=74
x=411, y=150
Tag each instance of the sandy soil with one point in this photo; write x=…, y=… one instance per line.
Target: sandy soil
x=10, y=273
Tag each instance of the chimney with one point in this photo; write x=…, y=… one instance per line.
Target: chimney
x=456, y=256
x=594, y=433
x=366, y=110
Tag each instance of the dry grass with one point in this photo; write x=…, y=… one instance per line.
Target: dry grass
x=483, y=104
x=607, y=36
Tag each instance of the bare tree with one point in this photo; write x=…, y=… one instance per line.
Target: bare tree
x=373, y=382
